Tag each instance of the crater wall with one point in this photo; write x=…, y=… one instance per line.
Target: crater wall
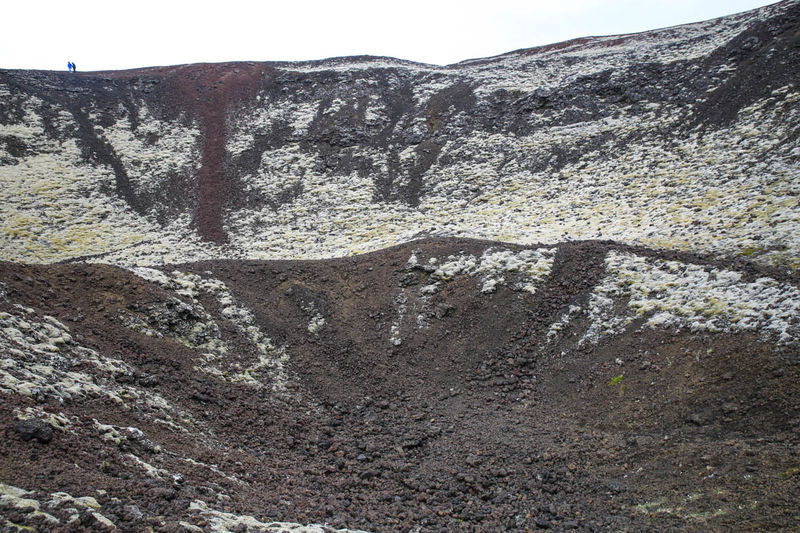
x=683, y=138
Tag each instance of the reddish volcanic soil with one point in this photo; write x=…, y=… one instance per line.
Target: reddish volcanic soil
x=489, y=415
x=205, y=92
x=469, y=425
x=208, y=91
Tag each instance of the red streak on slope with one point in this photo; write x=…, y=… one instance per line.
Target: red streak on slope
x=207, y=92
x=222, y=86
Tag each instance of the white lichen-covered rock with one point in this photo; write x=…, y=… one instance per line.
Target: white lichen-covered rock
x=521, y=271
x=59, y=510
x=41, y=360
x=529, y=267
x=203, y=331
x=672, y=294
x=220, y=521
x=647, y=139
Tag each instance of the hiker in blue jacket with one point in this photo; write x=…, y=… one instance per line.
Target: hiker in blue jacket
x=69, y=66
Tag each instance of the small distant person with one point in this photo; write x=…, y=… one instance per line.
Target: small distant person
x=69, y=66
x=74, y=68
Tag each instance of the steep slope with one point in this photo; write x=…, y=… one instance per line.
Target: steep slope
x=556, y=289
x=616, y=390
x=682, y=138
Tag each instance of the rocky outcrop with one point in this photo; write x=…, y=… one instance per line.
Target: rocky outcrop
x=626, y=360
x=680, y=138
x=445, y=384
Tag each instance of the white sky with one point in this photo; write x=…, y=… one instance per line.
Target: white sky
x=113, y=34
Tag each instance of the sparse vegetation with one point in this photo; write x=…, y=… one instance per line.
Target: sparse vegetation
x=609, y=204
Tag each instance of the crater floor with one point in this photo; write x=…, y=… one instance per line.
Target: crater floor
x=555, y=289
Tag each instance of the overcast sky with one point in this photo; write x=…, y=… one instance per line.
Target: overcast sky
x=109, y=34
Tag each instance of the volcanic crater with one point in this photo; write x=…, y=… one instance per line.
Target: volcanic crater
x=556, y=289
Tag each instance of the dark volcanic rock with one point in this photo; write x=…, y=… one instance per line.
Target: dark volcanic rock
x=625, y=360
x=34, y=429
x=479, y=418
x=576, y=140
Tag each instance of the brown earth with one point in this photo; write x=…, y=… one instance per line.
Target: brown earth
x=473, y=423
x=470, y=425
x=206, y=91
x=209, y=91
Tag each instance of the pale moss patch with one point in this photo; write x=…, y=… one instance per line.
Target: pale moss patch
x=529, y=267
x=270, y=359
x=521, y=271
x=109, y=433
x=150, y=470
x=41, y=359
x=222, y=522
x=58, y=421
x=87, y=502
x=156, y=150
x=699, y=194
x=315, y=319
x=671, y=294
x=53, y=205
x=720, y=191
x=15, y=497
x=562, y=322
x=680, y=509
